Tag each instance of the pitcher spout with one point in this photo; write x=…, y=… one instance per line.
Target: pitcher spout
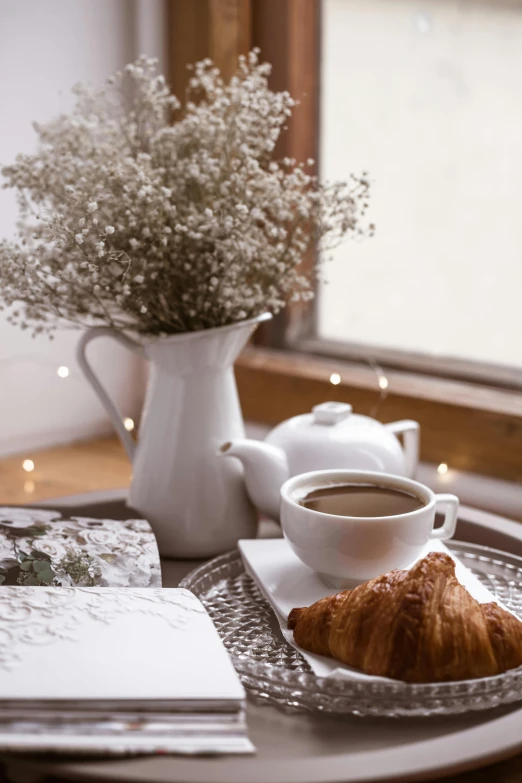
x=265, y=470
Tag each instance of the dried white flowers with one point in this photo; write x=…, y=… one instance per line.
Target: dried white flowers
x=131, y=220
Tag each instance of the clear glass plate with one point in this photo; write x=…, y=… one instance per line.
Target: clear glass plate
x=273, y=672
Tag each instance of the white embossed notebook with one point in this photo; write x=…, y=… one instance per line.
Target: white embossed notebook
x=118, y=670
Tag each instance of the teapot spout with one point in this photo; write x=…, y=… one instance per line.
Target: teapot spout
x=266, y=470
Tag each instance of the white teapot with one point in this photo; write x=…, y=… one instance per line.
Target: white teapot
x=331, y=436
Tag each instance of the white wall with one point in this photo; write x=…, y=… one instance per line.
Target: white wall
x=45, y=47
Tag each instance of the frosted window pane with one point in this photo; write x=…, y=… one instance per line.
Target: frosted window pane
x=427, y=97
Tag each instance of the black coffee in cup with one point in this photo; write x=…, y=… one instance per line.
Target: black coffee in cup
x=355, y=500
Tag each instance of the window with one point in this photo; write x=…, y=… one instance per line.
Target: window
x=426, y=98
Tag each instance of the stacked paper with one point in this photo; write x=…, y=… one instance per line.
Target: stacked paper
x=115, y=670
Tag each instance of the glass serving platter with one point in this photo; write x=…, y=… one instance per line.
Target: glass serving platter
x=275, y=673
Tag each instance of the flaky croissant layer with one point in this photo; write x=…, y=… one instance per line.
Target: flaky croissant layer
x=419, y=625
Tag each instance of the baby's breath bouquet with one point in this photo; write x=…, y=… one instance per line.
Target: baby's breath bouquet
x=145, y=217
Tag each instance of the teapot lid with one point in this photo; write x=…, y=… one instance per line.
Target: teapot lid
x=331, y=412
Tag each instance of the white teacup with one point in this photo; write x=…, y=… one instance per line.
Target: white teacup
x=345, y=550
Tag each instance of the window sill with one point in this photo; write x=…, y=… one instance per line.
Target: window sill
x=77, y=468
x=473, y=429
x=102, y=466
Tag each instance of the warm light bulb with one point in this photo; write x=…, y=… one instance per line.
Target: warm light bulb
x=29, y=487
x=383, y=382
x=63, y=371
x=28, y=465
x=335, y=378
x=442, y=469
x=128, y=423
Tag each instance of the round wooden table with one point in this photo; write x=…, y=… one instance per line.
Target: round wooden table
x=316, y=749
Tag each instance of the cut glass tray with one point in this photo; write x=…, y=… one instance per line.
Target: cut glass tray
x=275, y=673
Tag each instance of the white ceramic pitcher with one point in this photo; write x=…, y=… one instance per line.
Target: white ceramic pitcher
x=195, y=501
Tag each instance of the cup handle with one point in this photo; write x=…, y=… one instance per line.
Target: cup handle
x=450, y=504
x=108, y=404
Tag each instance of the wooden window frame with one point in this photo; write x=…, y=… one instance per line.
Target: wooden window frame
x=470, y=414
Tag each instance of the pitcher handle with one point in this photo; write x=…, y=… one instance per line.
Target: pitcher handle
x=410, y=430
x=108, y=404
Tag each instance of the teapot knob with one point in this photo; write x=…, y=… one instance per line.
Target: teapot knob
x=331, y=412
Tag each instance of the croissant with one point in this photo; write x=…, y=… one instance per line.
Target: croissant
x=419, y=625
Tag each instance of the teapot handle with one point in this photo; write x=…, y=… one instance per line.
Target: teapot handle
x=108, y=404
x=410, y=430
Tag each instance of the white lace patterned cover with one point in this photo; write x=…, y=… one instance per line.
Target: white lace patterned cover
x=116, y=645
x=45, y=615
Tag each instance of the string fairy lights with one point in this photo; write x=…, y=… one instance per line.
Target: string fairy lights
x=382, y=382
x=62, y=372
x=335, y=379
